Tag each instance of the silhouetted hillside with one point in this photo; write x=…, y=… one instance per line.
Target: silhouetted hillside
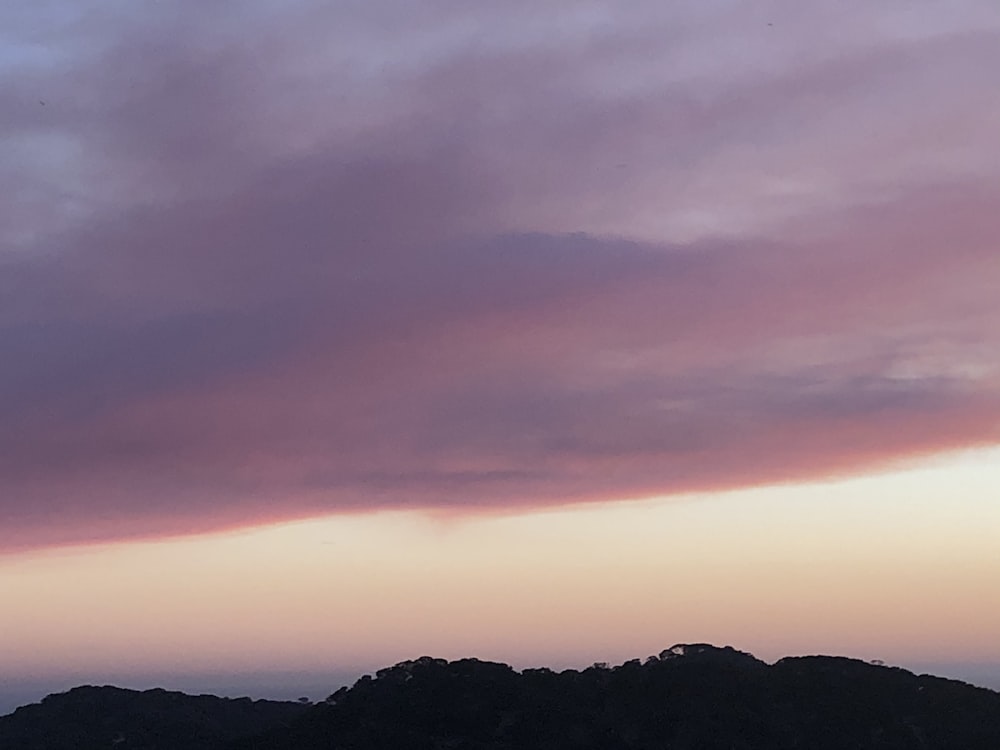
x=100, y=718
x=689, y=697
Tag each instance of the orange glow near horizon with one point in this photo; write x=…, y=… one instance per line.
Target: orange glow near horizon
x=901, y=567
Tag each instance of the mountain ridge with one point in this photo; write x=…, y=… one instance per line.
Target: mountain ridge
x=688, y=696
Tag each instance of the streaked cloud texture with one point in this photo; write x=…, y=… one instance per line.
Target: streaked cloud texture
x=268, y=261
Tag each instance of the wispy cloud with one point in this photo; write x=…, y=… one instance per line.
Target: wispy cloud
x=251, y=275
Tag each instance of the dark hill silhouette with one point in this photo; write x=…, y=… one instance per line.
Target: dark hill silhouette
x=107, y=718
x=691, y=696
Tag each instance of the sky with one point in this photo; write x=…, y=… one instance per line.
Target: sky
x=337, y=333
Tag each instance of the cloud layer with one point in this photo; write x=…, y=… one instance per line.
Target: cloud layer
x=294, y=259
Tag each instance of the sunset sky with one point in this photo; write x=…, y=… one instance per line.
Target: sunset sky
x=337, y=333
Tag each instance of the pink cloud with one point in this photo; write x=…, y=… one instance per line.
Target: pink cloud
x=469, y=280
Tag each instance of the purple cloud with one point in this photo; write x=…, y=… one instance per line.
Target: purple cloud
x=477, y=272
